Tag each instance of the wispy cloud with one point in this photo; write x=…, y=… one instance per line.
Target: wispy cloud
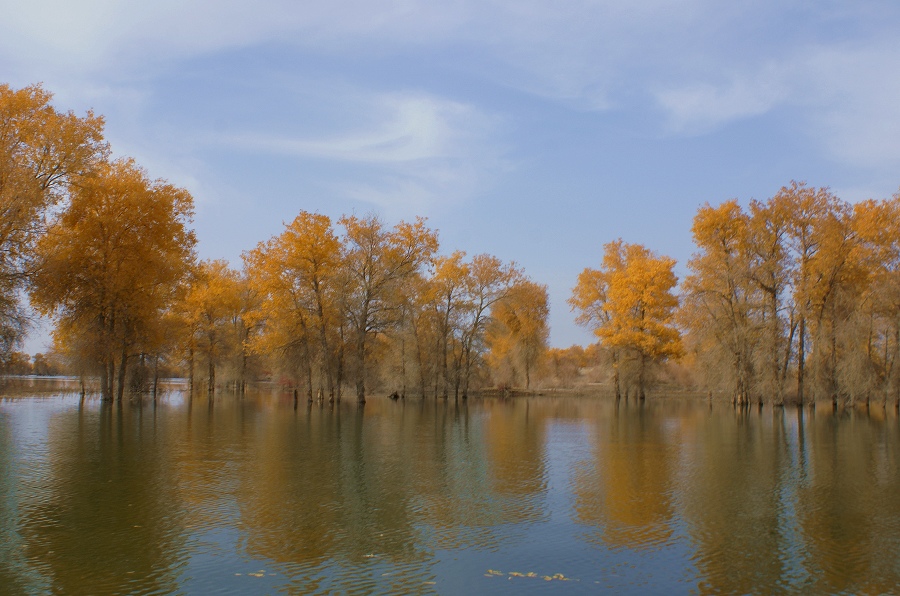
x=842, y=96
x=410, y=151
x=404, y=129
x=700, y=107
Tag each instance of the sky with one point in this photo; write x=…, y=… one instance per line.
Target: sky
x=533, y=131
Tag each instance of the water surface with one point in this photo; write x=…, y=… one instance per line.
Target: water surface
x=251, y=495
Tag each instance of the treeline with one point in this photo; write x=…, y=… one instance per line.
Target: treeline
x=796, y=297
x=109, y=255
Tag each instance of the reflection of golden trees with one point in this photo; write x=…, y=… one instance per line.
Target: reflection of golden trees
x=628, y=495
x=338, y=487
x=98, y=511
x=735, y=502
x=514, y=439
x=849, y=521
x=775, y=502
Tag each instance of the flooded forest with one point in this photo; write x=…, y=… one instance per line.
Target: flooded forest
x=787, y=300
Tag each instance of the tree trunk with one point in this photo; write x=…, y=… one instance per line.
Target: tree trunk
x=361, y=363
x=211, y=373
x=105, y=393
x=123, y=362
x=191, y=371
x=801, y=360
x=155, y=375
x=641, y=379
x=616, y=381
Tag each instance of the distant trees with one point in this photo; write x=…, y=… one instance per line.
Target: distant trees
x=331, y=304
x=211, y=309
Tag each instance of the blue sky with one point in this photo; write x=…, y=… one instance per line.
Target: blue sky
x=535, y=131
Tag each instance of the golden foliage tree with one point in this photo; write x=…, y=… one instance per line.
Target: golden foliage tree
x=110, y=262
x=297, y=276
x=720, y=294
x=42, y=152
x=211, y=306
x=518, y=333
x=630, y=305
x=377, y=262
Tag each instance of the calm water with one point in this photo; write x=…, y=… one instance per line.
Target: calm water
x=254, y=497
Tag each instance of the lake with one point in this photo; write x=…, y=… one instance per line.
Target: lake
x=567, y=494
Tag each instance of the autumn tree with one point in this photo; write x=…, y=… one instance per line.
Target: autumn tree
x=110, y=262
x=796, y=285
x=489, y=281
x=377, y=261
x=449, y=286
x=297, y=276
x=211, y=305
x=877, y=226
x=721, y=296
x=518, y=334
x=776, y=316
x=42, y=153
x=633, y=305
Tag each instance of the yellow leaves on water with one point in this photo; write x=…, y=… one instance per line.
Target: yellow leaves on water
x=529, y=575
x=260, y=573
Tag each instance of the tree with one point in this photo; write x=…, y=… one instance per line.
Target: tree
x=449, y=300
x=42, y=153
x=211, y=304
x=111, y=261
x=489, y=282
x=720, y=295
x=633, y=305
x=518, y=334
x=297, y=277
x=377, y=261
x=877, y=227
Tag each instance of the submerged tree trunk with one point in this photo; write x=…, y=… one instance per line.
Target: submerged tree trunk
x=105, y=393
x=615, y=357
x=122, y=368
x=641, y=377
x=801, y=360
x=211, y=373
x=191, y=371
x=155, y=375
x=361, y=363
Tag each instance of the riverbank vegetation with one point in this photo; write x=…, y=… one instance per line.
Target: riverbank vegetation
x=790, y=299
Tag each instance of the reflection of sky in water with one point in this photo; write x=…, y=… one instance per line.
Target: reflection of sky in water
x=253, y=496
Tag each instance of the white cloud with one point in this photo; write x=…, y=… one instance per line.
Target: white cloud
x=843, y=96
x=700, y=107
x=412, y=152
x=410, y=128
